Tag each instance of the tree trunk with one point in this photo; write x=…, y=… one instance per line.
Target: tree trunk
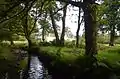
x=26, y=71
x=55, y=28
x=112, y=36
x=43, y=28
x=78, y=29
x=11, y=42
x=27, y=36
x=63, y=26
x=29, y=43
x=90, y=27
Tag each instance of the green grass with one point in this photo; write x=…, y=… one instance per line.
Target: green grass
x=67, y=54
x=8, y=62
x=105, y=53
x=64, y=54
x=112, y=58
x=110, y=54
x=62, y=49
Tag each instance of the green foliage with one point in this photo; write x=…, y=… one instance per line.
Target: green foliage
x=70, y=44
x=117, y=41
x=9, y=63
x=110, y=54
x=53, y=42
x=23, y=63
x=103, y=39
x=6, y=53
x=77, y=64
x=69, y=60
x=45, y=44
x=111, y=57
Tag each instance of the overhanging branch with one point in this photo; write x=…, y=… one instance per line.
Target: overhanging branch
x=59, y=9
x=77, y=4
x=18, y=13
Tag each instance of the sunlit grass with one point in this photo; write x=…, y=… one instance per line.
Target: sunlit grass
x=68, y=55
x=105, y=53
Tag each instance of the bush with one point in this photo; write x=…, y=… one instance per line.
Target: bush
x=117, y=41
x=45, y=44
x=70, y=44
x=68, y=66
x=103, y=39
x=8, y=63
x=53, y=42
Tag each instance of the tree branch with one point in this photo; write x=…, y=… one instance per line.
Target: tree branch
x=12, y=16
x=12, y=7
x=19, y=12
x=36, y=18
x=77, y=4
x=33, y=26
x=81, y=21
x=59, y=9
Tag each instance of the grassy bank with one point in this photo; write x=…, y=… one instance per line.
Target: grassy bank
x=72, y=61
x=67, y=62
x=10, y=63
x=110, y=54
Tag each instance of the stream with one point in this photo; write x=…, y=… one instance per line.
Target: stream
x=36, y=69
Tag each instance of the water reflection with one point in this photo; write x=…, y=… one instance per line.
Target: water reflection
x=36, y=68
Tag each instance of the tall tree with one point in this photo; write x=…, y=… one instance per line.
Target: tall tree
x=63, y=24
x=89, y=9
x=45, y=26
x=78, y=29
x=112, y=17
x=55, y=28
x=55, y=16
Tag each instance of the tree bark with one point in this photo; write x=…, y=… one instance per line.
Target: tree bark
x=90, y=27
x=112, y=36
x=63, y=26
x=54, y=27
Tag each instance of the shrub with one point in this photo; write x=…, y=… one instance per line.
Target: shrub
x=117, y=41
x=103, y=39
x=53, y=42
x=45, y=44
x=70, y=44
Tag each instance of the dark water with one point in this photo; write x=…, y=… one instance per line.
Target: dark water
x=36, y=68
x=36, y=71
